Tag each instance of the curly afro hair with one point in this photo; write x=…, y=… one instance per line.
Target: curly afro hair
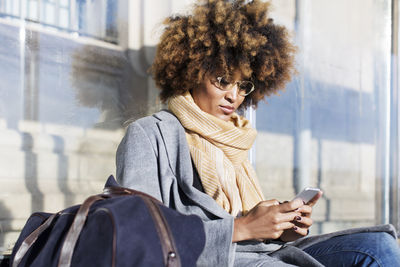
x=224, y=37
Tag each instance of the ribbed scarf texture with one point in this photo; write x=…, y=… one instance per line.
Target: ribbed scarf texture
x=219, y=150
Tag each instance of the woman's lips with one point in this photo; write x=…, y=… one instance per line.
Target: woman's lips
x=227, y=109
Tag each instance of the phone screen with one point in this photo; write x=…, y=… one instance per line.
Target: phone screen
x=307, y=194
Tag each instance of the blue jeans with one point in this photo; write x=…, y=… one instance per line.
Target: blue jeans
x=361, y=249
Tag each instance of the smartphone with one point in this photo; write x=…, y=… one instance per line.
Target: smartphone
x=307, y=194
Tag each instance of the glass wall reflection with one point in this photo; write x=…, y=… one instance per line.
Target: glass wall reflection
x=328, y=129
x=73, y=73
x=97, y=19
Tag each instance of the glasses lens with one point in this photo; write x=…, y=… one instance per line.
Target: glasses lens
x=223, y=83
x=246, y=87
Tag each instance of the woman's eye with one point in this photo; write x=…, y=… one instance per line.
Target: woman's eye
x=224, y=82
x=246, y=86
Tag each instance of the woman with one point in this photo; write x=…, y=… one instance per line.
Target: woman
x=224, y=57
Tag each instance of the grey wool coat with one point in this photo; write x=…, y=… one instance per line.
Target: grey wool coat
x=154, y=157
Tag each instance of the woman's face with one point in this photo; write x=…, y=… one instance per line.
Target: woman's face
x=215, y=101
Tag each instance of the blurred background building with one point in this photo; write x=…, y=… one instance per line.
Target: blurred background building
x=73, y=72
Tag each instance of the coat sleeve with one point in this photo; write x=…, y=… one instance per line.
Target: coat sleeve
x=136, y=162
x=219, y=249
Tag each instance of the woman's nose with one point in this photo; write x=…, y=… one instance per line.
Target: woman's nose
x=232, y=94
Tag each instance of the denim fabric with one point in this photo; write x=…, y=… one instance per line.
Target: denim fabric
x=360, y=249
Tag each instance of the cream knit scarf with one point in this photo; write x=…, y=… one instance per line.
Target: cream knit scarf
x=219, y=151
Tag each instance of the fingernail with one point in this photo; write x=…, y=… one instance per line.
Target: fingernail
x=298, y=218
x=295, y=228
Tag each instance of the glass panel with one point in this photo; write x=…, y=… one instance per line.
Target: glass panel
x=32, y=10
x=328, y=128
x=64, y=3
x=49, y=13
x=10, y=114
x=10, y=87
x=9, y=7
x=67, y=91
x=64, y=18
x=60, y=115
x=98, y=19
x=64, y=100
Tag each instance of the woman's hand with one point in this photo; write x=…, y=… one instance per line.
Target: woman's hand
x=301, y=226
x=268, y=220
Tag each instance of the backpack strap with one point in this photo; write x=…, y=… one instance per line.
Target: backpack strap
x=75, y=230
x=31, y=239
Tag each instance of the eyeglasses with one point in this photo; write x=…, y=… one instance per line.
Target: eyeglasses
x=244, y=87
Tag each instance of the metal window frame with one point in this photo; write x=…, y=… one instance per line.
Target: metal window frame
x=388, y=179
x=394, y=193
x=73, y=25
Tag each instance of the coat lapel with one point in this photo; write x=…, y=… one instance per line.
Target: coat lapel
x=178, y=154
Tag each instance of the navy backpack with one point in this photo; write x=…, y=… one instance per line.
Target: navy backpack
x=121, y=227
